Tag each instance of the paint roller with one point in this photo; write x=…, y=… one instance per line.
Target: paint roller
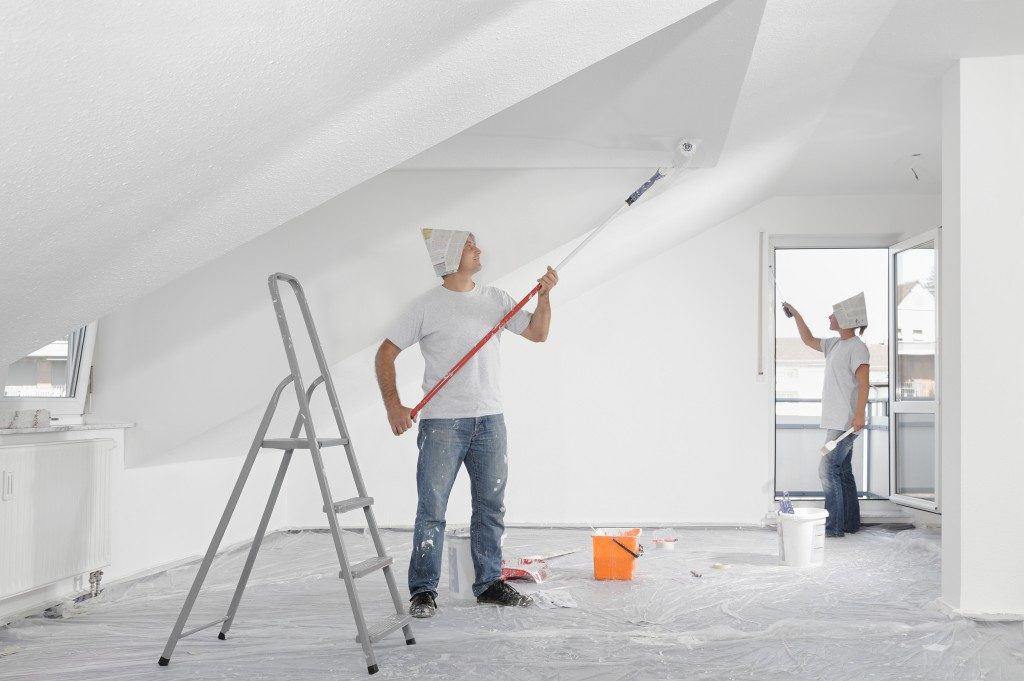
x=682, y=157
x=778, y=291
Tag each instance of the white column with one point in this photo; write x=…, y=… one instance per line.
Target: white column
x=982, y=388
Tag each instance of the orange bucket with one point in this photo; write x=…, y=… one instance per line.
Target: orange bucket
x=615, y=552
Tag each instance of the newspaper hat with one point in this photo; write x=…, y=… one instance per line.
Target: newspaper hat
x=444, y=246
x=851, y=313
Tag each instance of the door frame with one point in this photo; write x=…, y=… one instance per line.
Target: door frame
x=768, y=243
x=916, y=406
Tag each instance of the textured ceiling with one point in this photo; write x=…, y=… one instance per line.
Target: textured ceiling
x=142, y=140
x=367, y=237
x=628, y=110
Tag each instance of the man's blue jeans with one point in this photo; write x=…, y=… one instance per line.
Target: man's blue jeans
x=836, y=473
x=445, y=445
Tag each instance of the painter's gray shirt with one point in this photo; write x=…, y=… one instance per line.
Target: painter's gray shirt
x=839, y=395
x=447, y=324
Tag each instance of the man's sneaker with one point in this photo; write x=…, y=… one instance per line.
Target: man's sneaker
x=500, y=593
x=423, y=605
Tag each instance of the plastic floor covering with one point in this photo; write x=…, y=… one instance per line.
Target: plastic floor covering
x=871, y=612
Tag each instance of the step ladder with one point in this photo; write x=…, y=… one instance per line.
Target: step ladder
x=368, y=634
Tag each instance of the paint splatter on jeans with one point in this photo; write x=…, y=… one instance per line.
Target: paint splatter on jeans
x=445, y=446
x=836, y=473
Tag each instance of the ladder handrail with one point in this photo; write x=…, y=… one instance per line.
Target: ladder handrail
x=332, y=395
x=321, y=360
x=307, y=422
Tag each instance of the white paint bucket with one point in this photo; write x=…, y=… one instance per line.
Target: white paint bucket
x=802, y=537
x=461, y=573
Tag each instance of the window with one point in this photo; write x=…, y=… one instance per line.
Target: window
x=812, y=278
x=54, y=377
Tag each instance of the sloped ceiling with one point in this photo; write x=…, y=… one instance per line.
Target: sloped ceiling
x=626, y=111
x=360, y=256
x=142, y=140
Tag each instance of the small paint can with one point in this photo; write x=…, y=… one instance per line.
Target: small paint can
x=461, y=573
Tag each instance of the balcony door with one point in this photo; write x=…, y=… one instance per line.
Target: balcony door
x=913, y=381
x=812, y=276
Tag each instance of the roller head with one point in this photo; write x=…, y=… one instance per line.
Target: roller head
x=685, y=153
x=684, y=156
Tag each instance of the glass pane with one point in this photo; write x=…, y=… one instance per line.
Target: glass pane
x=915, y=455
x=915, y=323
x=49, y=371
x=812, y=279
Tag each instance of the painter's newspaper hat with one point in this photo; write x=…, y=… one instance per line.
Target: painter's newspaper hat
x=444, y=246
x=851, y=313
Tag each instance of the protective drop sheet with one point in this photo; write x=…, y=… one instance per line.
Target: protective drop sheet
x=871, y=612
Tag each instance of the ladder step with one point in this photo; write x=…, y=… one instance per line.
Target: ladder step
x=365, y=567
x=201, y=627
x=346, y=505
x=303, y=443
x=389, y=624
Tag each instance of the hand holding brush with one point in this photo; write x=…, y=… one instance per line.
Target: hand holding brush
x=831, y=444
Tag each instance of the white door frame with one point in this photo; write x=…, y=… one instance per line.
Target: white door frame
x=897, y=406
x=768, y=244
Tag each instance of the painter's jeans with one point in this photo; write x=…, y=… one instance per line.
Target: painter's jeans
x=836, y=473
x=445, y=445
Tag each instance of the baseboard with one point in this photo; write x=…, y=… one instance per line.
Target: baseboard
x=547, y=526
x=39, y=600
x=980, y=616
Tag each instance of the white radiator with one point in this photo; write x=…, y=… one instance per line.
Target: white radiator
x=54, y=512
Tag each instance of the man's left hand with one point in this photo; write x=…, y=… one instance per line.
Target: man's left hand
x=548, y=281
x=858, y=423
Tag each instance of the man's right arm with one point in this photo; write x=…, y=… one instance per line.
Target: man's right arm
x=805, y=333
x=398, y=414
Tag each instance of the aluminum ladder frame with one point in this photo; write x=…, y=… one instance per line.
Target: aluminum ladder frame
x=367, y=635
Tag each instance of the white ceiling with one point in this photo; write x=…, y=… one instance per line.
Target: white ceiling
x=141, y=140
x=889, y=109
x=628, y=110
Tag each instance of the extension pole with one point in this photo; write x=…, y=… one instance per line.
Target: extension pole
x=630, y=200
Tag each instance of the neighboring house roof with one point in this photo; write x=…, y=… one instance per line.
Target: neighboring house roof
x=903, y=290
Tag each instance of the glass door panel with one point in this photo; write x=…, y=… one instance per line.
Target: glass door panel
x=914, y=280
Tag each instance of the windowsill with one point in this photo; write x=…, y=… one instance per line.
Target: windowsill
x=69, y=427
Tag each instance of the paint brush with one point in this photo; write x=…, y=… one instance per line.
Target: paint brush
x=831, y=444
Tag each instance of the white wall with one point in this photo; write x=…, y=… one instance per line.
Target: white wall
x=985, y=107
x=950, y=302
x=194, y=363
x=162, y=514
x=632, y=372
x=187, y=359
x=644, y=405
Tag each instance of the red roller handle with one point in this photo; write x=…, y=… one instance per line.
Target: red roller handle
x=476, y=348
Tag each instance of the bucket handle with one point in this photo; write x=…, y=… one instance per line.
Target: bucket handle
x=640, y=549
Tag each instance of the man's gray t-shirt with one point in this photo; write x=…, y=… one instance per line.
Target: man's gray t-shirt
x=839, y=395
x=447, y=324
